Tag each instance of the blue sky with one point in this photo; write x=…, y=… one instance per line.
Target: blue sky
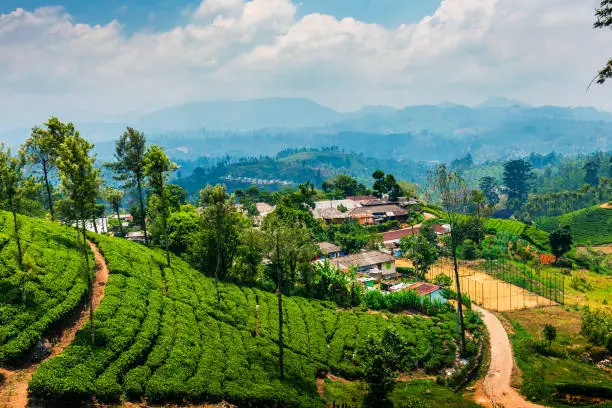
x=112, y=57
x=138, y=15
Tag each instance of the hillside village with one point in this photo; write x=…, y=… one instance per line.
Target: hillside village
x=304, y=204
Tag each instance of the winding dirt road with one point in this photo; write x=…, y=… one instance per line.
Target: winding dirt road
x=14, y=389
x=497, y=382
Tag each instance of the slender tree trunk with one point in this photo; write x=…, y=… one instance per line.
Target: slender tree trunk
x=119, y=219
x=459, y=302
x=16, y=230
x=281, y=349
x=167, y=245
x=217, y=270
x=143, y=222
x=19, y=250
x=89, y=284
x=48, y=188
x=95, y=224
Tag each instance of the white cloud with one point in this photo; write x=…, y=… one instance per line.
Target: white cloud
x=539, y=51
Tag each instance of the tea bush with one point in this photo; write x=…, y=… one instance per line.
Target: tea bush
x=55, y=288
x=163, y=338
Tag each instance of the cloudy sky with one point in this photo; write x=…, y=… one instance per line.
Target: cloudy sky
x=99, y=59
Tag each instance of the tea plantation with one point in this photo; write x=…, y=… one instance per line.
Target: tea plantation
x=54, y=282
x=589, y=226
x=161, y=336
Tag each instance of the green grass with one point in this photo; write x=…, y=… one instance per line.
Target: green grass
x=54, y=288
x=415, y=393
x=590, y=225
x=161, y=336
x=544, y=374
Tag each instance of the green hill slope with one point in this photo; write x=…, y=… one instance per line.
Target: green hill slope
x=592, y=225
x=161, y=336
x=52, y=290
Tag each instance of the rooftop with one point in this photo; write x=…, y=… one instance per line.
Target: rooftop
x=328, y=247
x=424, y=288
x=366, y=258
x=390, y=210
x=329, y=214
x=348, y=204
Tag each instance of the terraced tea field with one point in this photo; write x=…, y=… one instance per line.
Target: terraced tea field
x=160, y=336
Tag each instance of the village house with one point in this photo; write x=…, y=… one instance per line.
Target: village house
x=330, y=215
x=329, y=250
x=375, y=214
x=135, y=236
x=375, y=264
x=425, y=289
x=392, y=238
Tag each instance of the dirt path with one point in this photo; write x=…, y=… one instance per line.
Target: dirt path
x=14, y=389
x=497, y=382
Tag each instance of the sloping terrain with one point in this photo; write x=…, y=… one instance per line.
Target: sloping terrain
x=54, y=280
x=591, y=225
x=161, y=336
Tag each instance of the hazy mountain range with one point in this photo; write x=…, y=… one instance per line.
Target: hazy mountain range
x=497, y=127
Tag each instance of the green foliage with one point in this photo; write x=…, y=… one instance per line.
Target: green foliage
x=350, y=235
x=57, y=290
x=380, y=361
x=560, y=241
x=443, y=280
x=42, y=149
x=550, y=333
x=518, y=176
x=332, y=284
x=162, y=337
x=341, y=186
x=589, y=226
x=422, y=250
x=489, y=186
x=597, y=327
x=404, y=300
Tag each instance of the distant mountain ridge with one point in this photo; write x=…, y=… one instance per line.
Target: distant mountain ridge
x=497, y=127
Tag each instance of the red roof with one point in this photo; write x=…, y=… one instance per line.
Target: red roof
x=394, y=235
x=424, y=288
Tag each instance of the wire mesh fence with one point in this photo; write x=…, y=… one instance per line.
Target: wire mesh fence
x=502, y=284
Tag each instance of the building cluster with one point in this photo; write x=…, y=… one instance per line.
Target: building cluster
x=257, y=181
x=367, y=210
x=376, y=270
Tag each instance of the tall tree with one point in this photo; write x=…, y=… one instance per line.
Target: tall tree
x=156, y=168
x=591, y=168
x=80, y=183
x=488, y=185
x=455, y=197
x=518, y=175
x=603, y=19
x=289, y=243
x=421, y=251
x=41, y=149
x=341, y=186
x=14, y=191
x=217, y=211
x=560, y=241
x=115, y=198
x=129, y=167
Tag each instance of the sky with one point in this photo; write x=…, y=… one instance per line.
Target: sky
x=103, y=60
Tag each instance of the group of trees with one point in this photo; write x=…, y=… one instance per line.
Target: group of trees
x=56, y=152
